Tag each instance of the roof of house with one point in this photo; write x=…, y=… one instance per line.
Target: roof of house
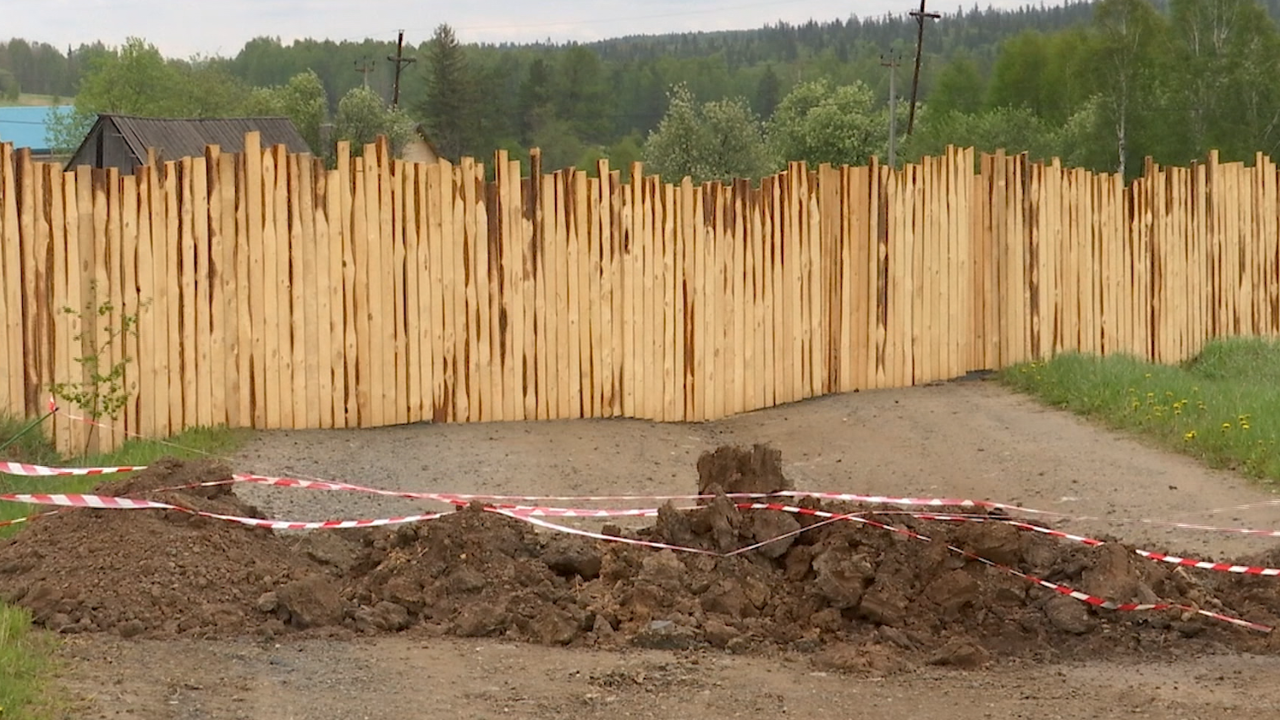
x=25, y=126
x=178, y=138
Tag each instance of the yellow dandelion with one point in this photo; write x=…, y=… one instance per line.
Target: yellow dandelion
x=1189, y=435
x=1148, y=375
x=1226, y=426
x=1244, y=426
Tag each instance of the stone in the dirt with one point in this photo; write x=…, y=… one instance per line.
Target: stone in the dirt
x=875, y=659
x=961, y=654
x=953, y=592
x=883, y=605
x=672, y=637
x=554, y=626
x=1069, y=615
x=329, y=549
x=267, y=603
x=742, y=470
x=387, y=616
x=997, y=542
x=768, y=524
x=721, y=521
x=1113, y=574
x=842, y=575
x=479, y=620
x=718, y=633
x=131, y=628
x=466, y=580
x=569, y=556
x=311, y=602
x=726, y=597
x=664, y=570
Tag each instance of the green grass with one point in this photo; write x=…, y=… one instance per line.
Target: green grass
x=25, y=661
x=25, y=655
x=34, y=99
x=35, y=448
x=1222, y=406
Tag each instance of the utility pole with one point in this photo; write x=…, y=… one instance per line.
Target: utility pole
x=891, y=62
x=364, y=68
x=400, y=60
x=920, y=16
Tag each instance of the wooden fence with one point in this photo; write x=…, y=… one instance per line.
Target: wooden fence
x=273, y=293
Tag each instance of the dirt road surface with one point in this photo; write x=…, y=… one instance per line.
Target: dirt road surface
x=964, y=439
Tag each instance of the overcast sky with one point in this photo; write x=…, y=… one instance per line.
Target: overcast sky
x=181, y=28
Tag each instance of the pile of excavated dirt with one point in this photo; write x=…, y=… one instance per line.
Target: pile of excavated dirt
x=859, y=597
x=151, y=572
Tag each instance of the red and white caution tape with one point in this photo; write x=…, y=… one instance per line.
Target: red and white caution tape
x=106, y=502
x=27, y=470
x=1056, y=587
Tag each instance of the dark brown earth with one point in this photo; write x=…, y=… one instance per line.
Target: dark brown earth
x=854, y=596
x=959, y=440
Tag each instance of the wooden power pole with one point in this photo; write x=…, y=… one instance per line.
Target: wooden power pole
x=364, y=68
x=891, y=61
x=400, y=61
x=920, y=16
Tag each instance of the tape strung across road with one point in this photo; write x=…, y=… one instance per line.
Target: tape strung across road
x=1056, y=587
x=28, y=470
x=535, y=515
x=107, y=502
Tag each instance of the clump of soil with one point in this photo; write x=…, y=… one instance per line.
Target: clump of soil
x=858, y=597
x=145, y=572
x=732, y=469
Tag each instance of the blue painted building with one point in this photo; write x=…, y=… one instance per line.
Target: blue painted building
x=24, y=126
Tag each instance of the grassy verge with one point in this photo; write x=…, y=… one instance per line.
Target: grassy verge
x=1222, y=406
x=35, y=448
x=25, y=660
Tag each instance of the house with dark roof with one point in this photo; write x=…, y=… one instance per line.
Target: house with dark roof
x=122, y=141
x=27, y=127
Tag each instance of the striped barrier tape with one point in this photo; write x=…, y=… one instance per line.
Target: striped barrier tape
x=106, y=502
x=525, y=514
x=29, y=470
x=1056, y=587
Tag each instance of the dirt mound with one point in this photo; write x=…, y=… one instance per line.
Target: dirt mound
x=859, y=597
x=146, y=572
x=742, y=470
x=866, y=598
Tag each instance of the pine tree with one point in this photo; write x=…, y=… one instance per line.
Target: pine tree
x=448, y=107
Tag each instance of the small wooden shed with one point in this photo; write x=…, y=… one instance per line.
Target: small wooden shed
x=122, y=141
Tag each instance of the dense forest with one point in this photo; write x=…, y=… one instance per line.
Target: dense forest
x=1101, y=85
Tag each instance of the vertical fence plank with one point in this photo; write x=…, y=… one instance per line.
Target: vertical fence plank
x=185, y=270
x=129, y=300
x=106, y=223
x=16, y=359
x=322, y=350
x=214, y=276
x=305, y=241
x=482, y=379
x=601, y=297
x=418, y=277
x=436, y=175
x=491, y=288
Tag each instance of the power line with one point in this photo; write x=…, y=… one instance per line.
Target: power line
x=400, y=62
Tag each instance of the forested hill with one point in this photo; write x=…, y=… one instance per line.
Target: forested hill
x=1101, y=85
x=977, y=31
